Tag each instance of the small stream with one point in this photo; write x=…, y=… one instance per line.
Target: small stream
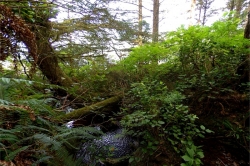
x=114, y=144
x=111, y=145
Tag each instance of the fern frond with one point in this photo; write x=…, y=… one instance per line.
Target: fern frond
x=86, y=132
x=64, y=157
x=2, y=147
x=43, y=122
x=47, y=141
x=42, y=159
x=6, y=80
x=13, y=154
x=12, y=131
x=31, y=128
x=83, y=132
x=38, y=105
x=5, y=102
x=50, y=100
x=8, y=137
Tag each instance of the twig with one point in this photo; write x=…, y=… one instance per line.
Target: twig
x=222, y=162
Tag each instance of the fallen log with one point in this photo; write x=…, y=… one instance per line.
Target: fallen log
x=95, y=108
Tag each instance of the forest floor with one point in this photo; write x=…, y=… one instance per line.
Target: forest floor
x=221, y=152
x=228, y=146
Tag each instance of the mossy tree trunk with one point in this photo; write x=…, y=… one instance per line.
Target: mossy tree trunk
x=47, y=60
x=95, y=108
x=155, y=33
x=244, y=69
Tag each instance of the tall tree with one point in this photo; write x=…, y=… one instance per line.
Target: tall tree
x=155, y=33
x=12, y=31
x=243, y=69
x=247, y=28
x=204, y=10
x=240, y=7
x=93, y=19
x=140, y=22
x=231, y=5
x=192, y=12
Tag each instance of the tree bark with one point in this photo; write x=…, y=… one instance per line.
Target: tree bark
x=140, y=23
x=247, y=28
x=243, y=69
x=238, y=8
x=156, y=20
x=192, y=12
x=80, y=113
x=204, y=13
x=47, y=61
x=231, y=5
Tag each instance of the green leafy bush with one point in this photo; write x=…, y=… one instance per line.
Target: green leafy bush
x=155, y=114
x=209, y=57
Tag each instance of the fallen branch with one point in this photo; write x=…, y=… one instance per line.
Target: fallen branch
x=79, y=113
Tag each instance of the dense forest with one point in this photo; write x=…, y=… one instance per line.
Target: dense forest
x=176, y=98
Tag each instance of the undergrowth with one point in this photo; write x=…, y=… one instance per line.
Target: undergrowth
x=155, y=115
x=27, y=131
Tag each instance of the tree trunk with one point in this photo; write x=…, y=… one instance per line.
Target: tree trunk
x=47, y=61
x=231, y=5
x=80, y=113
x=140, y=23
x=247, y=28
x=156, y=20
x=204, y=13
x=238, y=8
x=244, y=68
x=200, y=10
x=192, y=12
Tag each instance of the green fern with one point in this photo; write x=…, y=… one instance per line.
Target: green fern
x=5, y=102
x=82, y=132
x=34, y=128
x=42, y=159
x=8, y=137
x=39, y=106
x=13, y=154
x=47, y=142
x=45, y=139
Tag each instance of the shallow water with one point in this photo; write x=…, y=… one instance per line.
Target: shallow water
x=112, y=144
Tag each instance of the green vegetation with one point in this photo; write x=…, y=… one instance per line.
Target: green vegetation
x=174, y=93
x=28, y=131
x=157, y=116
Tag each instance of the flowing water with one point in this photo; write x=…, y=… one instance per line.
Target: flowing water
x=112, y=145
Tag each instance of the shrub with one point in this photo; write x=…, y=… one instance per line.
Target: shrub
x=155, y=115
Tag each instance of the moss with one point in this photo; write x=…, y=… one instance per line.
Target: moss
x=79, y=113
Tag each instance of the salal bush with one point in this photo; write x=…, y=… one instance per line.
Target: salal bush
x=157, y=117
x=209, y=57
x=149, y=60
